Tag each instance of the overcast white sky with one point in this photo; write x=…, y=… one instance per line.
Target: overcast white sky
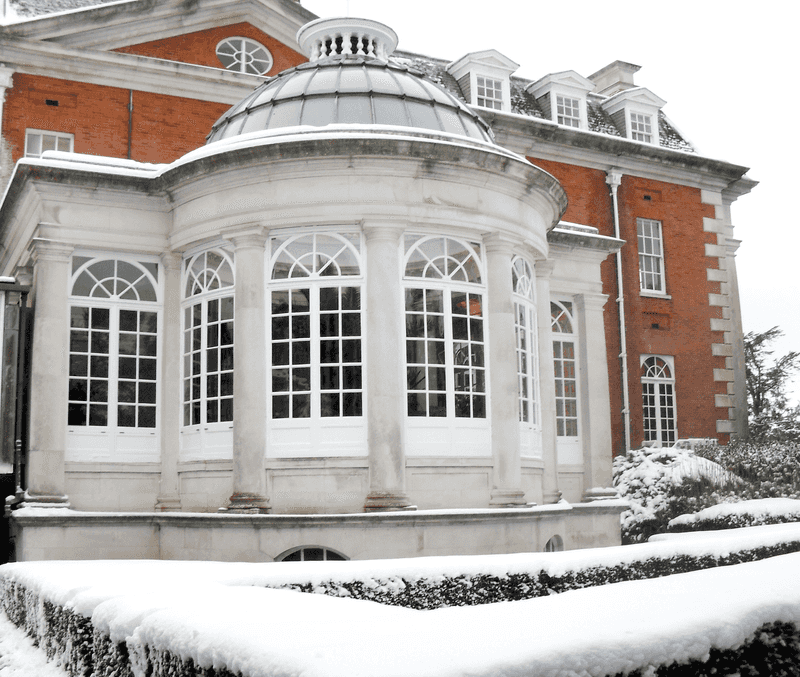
x=722, y=66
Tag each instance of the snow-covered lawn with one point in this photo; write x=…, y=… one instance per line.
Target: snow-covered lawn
x=220, y=614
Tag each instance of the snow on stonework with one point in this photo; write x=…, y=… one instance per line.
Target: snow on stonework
x=230, y=614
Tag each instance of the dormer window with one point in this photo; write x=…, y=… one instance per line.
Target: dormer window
x=484, y=79
x=562, y=97
x=244, y=55
x=641, y=127
x=490, y=92
x=568, y=111
x=635, y=113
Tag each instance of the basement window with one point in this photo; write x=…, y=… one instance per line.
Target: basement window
x=244, y=55
x=37, y=141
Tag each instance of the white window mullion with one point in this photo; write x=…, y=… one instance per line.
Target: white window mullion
x=113, y=368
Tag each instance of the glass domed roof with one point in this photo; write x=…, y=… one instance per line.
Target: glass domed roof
x=351, y=80
x=351, y=90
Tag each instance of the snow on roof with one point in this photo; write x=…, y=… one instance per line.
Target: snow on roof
x=219, y=614
x=28, y=9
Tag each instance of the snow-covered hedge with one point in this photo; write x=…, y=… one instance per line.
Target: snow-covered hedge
x=126, y=619
x=663, y=483
x=738, y=515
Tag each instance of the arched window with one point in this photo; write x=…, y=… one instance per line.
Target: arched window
x=565, y=367
x=208, y=283
x=244, y=55
x=555, y=544
x=445, y=362
x=525, y=323
x=658, y=400
x=113, y=356
x=316, y=327
x=310, y=553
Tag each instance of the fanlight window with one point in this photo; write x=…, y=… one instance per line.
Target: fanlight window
x=658, y=401
x=208, y=339
x=316, y=327
x=443, y=258
x=244, y=55
x=525, y=326
x=113, y=351
x=315, y=255
x=565, y=368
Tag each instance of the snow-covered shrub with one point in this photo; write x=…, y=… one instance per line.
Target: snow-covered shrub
x=768, y=470
x=737, y=515
x=773, y=650
x=662, y=483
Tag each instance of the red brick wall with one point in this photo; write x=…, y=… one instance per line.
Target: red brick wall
x=684, y=319
x=164, y=127
x=200, y=47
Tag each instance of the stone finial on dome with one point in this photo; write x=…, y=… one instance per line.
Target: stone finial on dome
x=322, y=38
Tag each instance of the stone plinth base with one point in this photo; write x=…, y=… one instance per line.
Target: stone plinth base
x=600, y=494
x=247, y=504
x=69, y=534
x=382, y=502
x=509, y=498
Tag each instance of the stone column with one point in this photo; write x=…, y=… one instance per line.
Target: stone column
x=385, y=379
x=503, y=380
x=551, y=494
x=250, y=377
x=595, y=405
x=49, y=374
x=169, y=491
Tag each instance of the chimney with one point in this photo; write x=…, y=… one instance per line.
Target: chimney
x=614, y=78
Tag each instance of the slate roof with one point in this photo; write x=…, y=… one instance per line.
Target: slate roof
x=34, y=8
x=523, y=103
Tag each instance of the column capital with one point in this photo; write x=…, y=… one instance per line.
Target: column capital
x=6, y=81
x=592, y=301
x=171, y=260
x=383, y=231
x=498, y=243
x=43, y=249
x=252, y=236
x=544, y=269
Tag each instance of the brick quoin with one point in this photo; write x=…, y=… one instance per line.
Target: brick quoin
x=684, y=327
x=200, y=47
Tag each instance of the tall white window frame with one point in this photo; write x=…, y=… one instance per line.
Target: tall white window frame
x=207, y=350
x=659, y=418
x=650, y=235
x=244, y=55
x=316, y=318
x=489, y=92
x=446, y=345
x=114, y=359
x=568, y=111
x=565, y=365
x=523, y=285
x=37, y=141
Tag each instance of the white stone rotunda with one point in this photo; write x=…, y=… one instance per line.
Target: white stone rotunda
x=415, y=332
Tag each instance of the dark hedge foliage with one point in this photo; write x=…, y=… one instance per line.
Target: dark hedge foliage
x=773, y=651
x=85, y=652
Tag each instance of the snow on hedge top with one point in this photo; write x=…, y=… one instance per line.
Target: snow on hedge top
x=765, y=507
x=260, y=632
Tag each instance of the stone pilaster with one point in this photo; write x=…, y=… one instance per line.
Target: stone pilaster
x=503, y=380
x=169, y=490
x=595, y=411
x=385, y=381
x=550, y=491
x=49, y=374
x=250, y=376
